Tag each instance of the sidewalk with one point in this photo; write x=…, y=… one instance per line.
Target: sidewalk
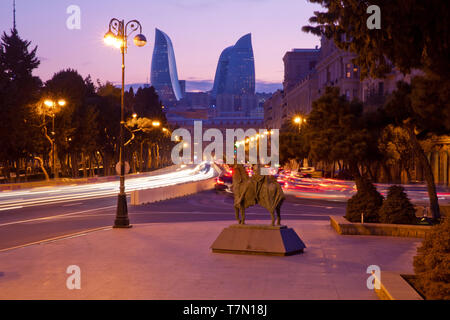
x=173, y=261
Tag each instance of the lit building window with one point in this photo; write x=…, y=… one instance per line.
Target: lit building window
x=348, y=72
x=355, y=72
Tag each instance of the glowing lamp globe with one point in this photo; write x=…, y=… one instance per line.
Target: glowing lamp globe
x=109, y=38
x=140, y=40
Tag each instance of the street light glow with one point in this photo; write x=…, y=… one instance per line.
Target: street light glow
x=111, y=40
x=297, y=120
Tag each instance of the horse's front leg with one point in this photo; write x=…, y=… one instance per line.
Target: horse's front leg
x=278, y=215
x=273, y=218
x=236, y=211
x=242, y=215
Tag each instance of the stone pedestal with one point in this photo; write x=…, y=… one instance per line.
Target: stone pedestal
x=258, y=239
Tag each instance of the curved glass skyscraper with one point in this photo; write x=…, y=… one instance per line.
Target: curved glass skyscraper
x=235, y=72
x=164, y=75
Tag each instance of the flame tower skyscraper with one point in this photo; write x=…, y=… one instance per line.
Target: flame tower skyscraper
x=164, y=75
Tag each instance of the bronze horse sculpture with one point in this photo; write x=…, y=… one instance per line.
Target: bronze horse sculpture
x=259, y=189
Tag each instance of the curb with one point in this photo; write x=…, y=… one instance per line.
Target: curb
x=345, y=227
x=394, y=287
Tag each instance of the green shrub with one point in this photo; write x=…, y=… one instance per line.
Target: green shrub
x=367, y=200
x=397, y=208
x=432, y=263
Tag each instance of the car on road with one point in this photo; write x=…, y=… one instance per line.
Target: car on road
x=224, y=182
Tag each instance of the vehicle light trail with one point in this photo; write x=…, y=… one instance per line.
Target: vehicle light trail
x=341, y=190
x=10, y=200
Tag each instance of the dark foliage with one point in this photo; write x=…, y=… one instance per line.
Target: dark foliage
x=424, y=106
x=19, y=90
x=432, y=263
x=397, y=208
x=293, y=145
x=414, y=34
x=367, y=201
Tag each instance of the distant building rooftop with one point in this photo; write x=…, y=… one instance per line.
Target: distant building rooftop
x=306, y=50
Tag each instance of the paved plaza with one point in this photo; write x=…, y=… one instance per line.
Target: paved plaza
x=173, y=261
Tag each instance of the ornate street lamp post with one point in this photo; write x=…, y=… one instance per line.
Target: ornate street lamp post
x=53, y=105
x=117, y=36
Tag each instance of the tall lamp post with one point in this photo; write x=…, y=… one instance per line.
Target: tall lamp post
x=299, y=120
x=117, y=36
x=53, y=104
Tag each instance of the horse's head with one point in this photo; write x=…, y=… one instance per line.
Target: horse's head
x=239, y=173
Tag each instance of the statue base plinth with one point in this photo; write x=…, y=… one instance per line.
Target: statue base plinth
x=258, y=239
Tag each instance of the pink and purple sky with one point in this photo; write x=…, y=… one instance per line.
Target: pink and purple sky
x=199, y=29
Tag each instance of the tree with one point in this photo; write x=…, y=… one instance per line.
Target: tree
x=337, y=130
x=432, y=263
x=108, y=105
x=366, y=202
x=395, y=146
x=147, y=104
x=19, y=91
x=148, y=107
x=397, y=208
x=414, y=35
x=292, y=143
x=76, y=124
x=407, y=108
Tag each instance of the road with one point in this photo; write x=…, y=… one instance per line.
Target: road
x=33, y=215
x=342, y=190
x=32, y=224
x=19, y=199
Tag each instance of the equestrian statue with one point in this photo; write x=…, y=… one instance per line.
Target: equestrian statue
x=258, y=189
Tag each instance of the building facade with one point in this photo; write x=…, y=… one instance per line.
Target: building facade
x=164, y=75
x=300, y=98
x=298, y=64
x=307, y=73
x=274, y=109
x=235, y=73
x=335, y=68
x=234, y=82
x=304, y=83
